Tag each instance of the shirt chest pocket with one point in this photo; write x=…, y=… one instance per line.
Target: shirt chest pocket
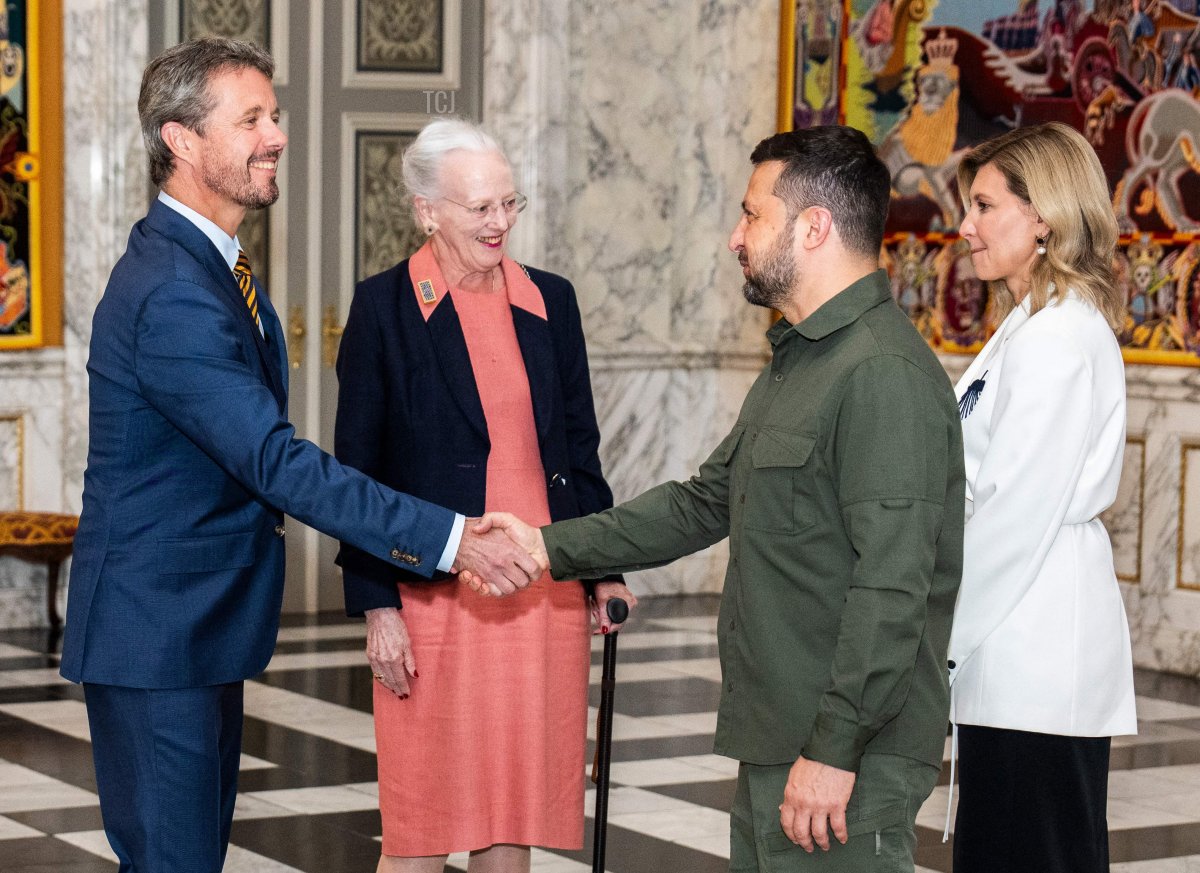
x=779, y=490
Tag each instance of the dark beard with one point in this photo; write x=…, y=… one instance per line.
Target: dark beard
x=770, y=283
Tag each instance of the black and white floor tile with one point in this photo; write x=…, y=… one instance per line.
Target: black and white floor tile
x=308, y=797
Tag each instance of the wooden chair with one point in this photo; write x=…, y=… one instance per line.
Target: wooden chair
x=40, y=537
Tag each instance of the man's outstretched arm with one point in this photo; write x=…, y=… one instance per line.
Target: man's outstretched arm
x=665, y=523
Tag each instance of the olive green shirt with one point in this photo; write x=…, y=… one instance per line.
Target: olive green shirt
x=841, y=491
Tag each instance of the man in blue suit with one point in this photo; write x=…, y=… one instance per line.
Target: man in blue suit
x=178, y=571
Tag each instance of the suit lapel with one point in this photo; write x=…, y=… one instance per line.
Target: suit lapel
x=993, y=349
x=532, y=326
x=274, y=348
x=173, y=225
x=537, y=350
x=436, y=309
x=450, y=348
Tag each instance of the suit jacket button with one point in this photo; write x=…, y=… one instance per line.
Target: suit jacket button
x=279, y=531
x=396, y=553
x=413, y=559
x=557, y=479
x=951, y=665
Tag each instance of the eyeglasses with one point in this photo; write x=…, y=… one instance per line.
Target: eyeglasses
x=511, y=206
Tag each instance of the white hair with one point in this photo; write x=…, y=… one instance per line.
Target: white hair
x=422, y=161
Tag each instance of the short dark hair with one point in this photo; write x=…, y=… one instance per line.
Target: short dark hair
x=175, y=88
x=836, y=168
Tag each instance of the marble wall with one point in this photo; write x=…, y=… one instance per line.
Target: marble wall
x=107, y=181
x=1162, y=535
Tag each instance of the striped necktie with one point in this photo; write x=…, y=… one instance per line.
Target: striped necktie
x=241, y=271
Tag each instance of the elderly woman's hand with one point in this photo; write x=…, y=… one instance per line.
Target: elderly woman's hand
x=602, y=593
x=389, y=650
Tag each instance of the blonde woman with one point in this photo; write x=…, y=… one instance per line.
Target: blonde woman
x=1040, y=667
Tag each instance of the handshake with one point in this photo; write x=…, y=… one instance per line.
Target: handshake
x=499, y=554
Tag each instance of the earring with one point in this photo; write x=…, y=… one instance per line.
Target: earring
x=1041, y=245
x=429, y=229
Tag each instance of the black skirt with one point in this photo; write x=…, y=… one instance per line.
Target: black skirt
x=1031, y=803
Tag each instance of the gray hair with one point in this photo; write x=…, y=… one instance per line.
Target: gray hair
x=422, y=161
x=175, y=88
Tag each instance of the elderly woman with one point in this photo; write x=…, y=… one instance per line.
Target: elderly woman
x=1040, y=668
x=464, y=379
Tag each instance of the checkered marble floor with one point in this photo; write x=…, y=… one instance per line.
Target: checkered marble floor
x=308, y=799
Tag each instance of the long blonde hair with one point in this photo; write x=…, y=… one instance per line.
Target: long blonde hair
x=1054, y=169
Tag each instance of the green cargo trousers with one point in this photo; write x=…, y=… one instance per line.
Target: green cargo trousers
x=880, y=818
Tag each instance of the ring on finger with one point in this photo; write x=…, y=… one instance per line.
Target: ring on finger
x=378, y=677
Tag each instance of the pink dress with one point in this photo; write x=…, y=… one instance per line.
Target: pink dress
x=489, y=747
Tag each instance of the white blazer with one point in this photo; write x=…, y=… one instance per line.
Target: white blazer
x=1040, y=641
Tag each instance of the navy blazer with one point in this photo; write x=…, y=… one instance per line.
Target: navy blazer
x=177, y=577
x=409, y=412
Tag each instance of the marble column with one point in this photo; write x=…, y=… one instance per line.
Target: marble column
x=104, y=52
x=43, y=393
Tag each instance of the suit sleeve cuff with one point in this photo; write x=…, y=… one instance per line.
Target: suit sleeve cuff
x=452, y=544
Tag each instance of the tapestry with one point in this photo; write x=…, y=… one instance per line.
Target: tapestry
x=927, y=79
x=17, y=310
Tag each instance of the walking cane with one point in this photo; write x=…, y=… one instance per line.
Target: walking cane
x=618, y=611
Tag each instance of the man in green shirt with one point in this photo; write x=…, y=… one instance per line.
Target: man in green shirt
x=841, y=491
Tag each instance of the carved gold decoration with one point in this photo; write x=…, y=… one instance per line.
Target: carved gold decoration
x=296, y=331
x=331, y=336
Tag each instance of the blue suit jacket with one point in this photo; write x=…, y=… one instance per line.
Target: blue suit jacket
x=409, y=412
x=177, y=577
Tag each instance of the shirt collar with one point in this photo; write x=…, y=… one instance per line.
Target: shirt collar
x=847, y=306
x=430, y=285
x=779, y=330
x=228, y=246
